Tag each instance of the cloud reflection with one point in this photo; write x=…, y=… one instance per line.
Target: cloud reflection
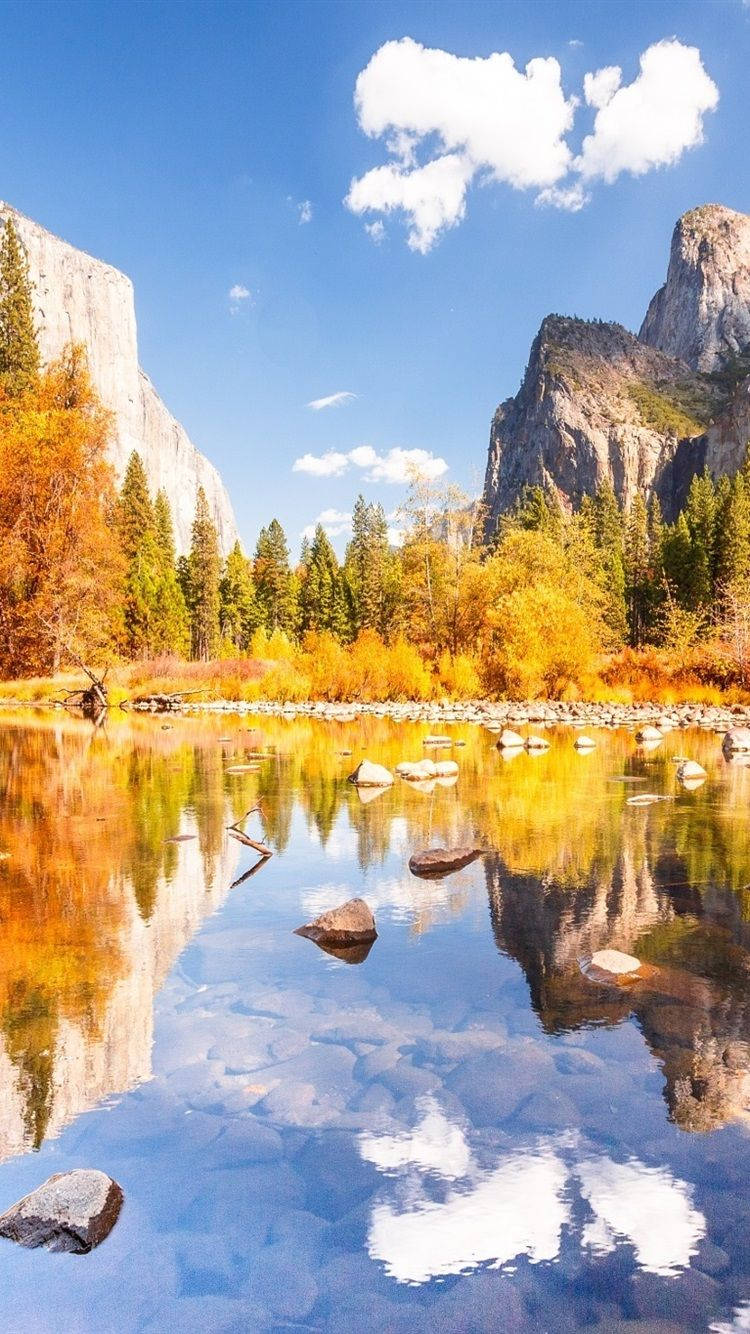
x=520, y=1207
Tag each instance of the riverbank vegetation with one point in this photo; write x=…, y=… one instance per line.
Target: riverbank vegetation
x=600, y=603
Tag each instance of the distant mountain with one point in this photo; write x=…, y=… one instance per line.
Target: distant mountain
x=80, y=299
x=645, y=412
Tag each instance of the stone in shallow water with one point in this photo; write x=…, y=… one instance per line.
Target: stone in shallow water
x=71, y=1211
x=648, y=734
x=736, y=739
x=584, y=743
x=441, y=861
x=350, y=924
x=614, y=963
x=368, y=774
x=691, y=774
x=536, y=743
x=509, y=740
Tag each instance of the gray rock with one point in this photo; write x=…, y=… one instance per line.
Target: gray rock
x=435, y=862
x=72, y=1211
x=350, y=924
x=510, y=740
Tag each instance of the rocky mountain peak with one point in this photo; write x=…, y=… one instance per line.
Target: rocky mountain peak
x=702, y=313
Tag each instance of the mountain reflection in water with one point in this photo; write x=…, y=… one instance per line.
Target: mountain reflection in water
x=299, y=1132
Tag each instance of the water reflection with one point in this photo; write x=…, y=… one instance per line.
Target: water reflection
x=462, y=1099
x=519, y=1207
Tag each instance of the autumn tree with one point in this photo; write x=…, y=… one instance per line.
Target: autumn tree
x=60, y=565
x=19, y=351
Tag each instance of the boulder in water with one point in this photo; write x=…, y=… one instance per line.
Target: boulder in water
x=368, y=774
x=648, y=734
x=584, y=743
x=350, y=924
x=536, y=743
x=691, y=774
x=510, y=740
x=437, y=862
x=736, y=739
x=72, y=1211
x=611, y=965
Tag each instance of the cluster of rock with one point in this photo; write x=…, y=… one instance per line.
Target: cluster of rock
x=645, y=413
x=496, y=714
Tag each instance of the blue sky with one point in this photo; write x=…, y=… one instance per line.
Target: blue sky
x=182, y=141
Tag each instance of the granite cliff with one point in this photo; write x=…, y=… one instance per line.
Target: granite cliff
x=83, y=300
x=644, y=412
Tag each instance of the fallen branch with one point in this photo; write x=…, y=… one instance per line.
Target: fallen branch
x=236, y=831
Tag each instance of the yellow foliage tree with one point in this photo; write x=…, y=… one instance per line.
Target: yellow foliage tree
x=60, y=565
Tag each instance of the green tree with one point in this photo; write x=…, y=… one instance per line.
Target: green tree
x=367, y=568
x=637, y=571
x=138, y=539
x=700, y=514
x=239, y=616
x=276, y=588
x=204, y=569
x=173, y=632
x=323, y=604
x=733, y=531
x=19, y=351
x=608, y=537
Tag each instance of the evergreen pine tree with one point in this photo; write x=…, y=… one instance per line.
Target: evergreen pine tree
x=322, y=598
x=732, y=564
x=204, y=572
x=608, y=536
x=367, y=569
x=700, y=514
x=637, y=570
x=276, y=588
x=19, y=351
x=239, y=609
x=677, y=560
x=138, y=538
x=172, y=630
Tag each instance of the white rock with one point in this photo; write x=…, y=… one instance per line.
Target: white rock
x=509, y=740
x=648, y=733
x=446, y=769
x=615, y=962
x=84, y=300
x=690, y=772
x=584, y=743
x=736, y=739
x=368, y=774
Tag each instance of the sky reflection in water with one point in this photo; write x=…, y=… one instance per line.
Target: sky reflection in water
x=304, y=1141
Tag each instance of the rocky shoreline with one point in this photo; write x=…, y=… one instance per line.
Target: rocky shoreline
x=495, y=714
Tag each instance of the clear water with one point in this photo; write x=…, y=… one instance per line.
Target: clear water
x=463, y=1132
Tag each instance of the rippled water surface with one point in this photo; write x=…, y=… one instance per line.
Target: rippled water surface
x=463, y=1132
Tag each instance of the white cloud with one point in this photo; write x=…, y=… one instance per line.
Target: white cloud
x=238, y=293
x=483, y=120
x=396, y=467
x=335, y=523
x=647, y=1206
x=652, y=121
x=305, y=212
x=489, y=118
x=331, y=400
x=376, y=230
x=331, y=464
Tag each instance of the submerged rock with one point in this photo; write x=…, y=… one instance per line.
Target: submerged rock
x=613, y=964
x=350, y=924
x=510, y=740
x=368, y=774
x=72, y=1211
x=446, y=769
x=441, y=861
x=737, y=738
x=417, y=770
x=437, y=741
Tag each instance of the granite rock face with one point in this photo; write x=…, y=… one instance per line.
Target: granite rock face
x=81, y=299
x=645, y=413
x=702, y=313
